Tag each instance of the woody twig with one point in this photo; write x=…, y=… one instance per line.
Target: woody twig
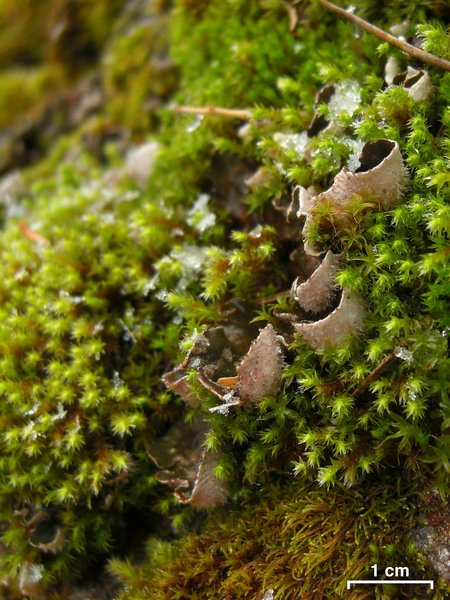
x=233, y=113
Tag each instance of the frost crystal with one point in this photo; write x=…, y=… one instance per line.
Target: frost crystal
x=191, y=258
x=293, y=141
x=127, y=333
x=117, y=381
x=98, y=328
x=404, y=354
x=60, y=414
x=356, y=147
x=256, y=231
x=411, y=393
x=33, y=410
x=229, y=401
x=200, y=217
x=34, y=572
x=223, y=409
x=269, y=595
x=280, y=168
x=346, y=98
x=21, y=274
x=74, y=299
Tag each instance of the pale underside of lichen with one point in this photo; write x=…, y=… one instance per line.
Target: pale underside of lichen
x=417, y=82
x=344, y=321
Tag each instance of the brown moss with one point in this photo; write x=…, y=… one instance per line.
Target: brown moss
x=301, y=542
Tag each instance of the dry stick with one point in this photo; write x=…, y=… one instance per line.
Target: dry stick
x=330, y=388
x=292, y=14
x=234, y=113
x=373, y=375
x=426, y=57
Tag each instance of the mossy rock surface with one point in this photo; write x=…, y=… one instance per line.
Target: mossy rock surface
x=143, y=246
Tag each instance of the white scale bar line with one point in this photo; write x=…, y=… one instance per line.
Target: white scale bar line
x=429, y=582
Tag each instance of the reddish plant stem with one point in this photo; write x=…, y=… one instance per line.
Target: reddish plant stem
x=339, y=384
x=32, y=235
x=373, y=375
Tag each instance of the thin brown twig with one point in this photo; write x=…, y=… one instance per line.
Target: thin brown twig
x=373, y=375
x=234, y=113
x=426, y=57
x=292, y=14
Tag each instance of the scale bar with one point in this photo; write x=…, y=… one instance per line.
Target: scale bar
x=429, y=582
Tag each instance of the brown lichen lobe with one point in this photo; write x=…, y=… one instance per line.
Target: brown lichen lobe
x=259, y=373
x=213, y=357
x=417, y=83
x=381, y=177
x=379, y=182
x=186, y=466
x=317, y=292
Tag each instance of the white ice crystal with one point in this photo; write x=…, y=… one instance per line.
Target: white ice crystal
x=404, y=354
x=356, y=147
x=346, y=98
x=293, y=141
x=200, y=216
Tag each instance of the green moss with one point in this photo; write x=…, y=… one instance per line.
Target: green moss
x=78, y=345
x=48, y=30
x=26, y=91
x=138, y=75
